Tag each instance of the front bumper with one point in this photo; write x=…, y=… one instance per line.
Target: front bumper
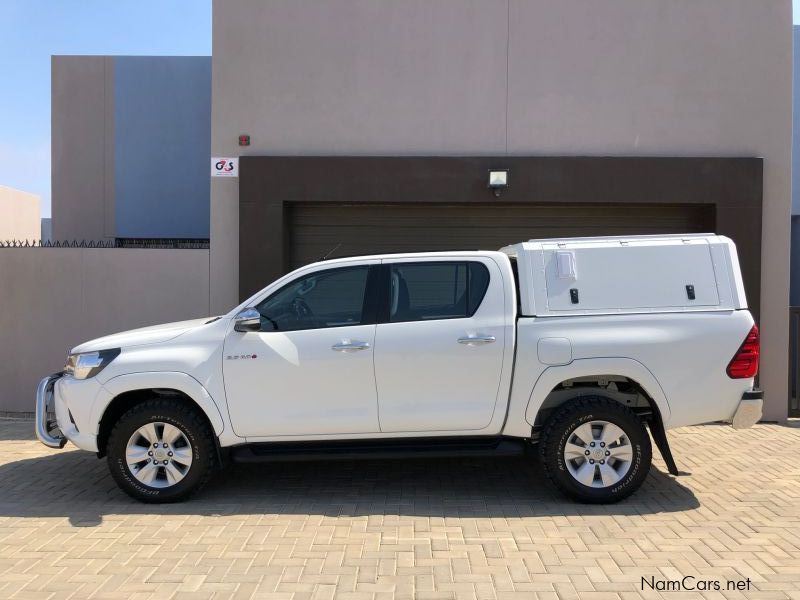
x=47, y=429
x=750, y=410
x=57, y=397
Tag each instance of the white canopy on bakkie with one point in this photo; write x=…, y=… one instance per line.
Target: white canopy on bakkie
x=628, y=274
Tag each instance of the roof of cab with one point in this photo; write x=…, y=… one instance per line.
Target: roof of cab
x=455, y=253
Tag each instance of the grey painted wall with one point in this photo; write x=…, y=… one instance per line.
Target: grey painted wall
x=130, y=146
x=623, y=77
x=47, y=229
x=162, y=121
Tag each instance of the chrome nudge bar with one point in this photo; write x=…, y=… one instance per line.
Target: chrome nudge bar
x=47, y=431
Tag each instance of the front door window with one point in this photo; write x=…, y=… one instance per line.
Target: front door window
x=331, y=298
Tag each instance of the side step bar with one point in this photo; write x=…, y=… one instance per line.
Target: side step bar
x=377, y=449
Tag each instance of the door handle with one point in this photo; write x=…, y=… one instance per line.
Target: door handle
x=346, y=346
x=477, y=340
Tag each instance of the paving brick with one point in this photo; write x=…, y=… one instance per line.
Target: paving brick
x=374, y=530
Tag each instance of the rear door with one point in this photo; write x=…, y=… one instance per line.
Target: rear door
x=439, y=344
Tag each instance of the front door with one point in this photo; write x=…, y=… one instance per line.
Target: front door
x=439, y=345
x=310, y=368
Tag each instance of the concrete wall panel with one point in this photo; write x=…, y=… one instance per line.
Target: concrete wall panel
x=350, y=77
x=646, y=77
x=794, y=292
x=82, y=164
x=20, y=215
x=796, y=123
x=224, y=244
x=130, y=146
x=360, y=76
x=162, y=144
x=57, y=298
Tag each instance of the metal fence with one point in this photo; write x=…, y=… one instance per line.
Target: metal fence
x=169, y=244
x=794, y=361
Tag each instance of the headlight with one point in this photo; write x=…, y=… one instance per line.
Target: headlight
x=88, y=364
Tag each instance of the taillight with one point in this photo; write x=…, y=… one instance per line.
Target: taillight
x=744, y=363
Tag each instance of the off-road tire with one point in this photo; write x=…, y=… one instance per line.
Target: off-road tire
x=190, y=422
x=566, y=419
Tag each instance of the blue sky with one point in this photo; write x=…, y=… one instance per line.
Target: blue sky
x=32, y=30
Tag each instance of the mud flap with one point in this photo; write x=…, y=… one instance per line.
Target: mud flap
x=660, y=437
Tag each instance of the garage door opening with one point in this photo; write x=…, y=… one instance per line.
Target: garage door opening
x=315, y=228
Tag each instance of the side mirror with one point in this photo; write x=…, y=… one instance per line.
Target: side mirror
x=247, y=320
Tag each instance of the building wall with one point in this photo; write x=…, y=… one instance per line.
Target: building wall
x=64, y=296
x=47, y=229
x=162, y=131
x=796, y=125
x=82, y=201
x=130, y=146
x=577, y=77
x=794, y=291
x=19, y=215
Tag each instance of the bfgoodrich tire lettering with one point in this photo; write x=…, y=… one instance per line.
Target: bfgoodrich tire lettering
x=558, y=431
x=178, y=414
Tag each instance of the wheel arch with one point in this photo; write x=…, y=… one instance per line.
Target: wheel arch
x=126, y=391
x=624, y=380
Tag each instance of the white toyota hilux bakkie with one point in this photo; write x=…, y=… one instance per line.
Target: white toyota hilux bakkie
x=565, y=349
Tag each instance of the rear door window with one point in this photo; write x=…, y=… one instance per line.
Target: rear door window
x=436, y=290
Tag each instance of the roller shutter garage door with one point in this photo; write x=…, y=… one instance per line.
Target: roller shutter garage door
x=315, y=229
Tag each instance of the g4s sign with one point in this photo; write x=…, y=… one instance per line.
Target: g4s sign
x=224, y=167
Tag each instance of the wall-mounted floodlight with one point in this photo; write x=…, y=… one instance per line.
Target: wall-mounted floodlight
x=498, y=181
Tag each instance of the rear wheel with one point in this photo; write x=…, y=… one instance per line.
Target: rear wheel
x=596, y=450
x=161, y=451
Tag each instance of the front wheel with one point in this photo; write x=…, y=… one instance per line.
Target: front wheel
x=596, y=450
x=161, y=450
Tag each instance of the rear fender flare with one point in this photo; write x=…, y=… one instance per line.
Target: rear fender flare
x=625, y=367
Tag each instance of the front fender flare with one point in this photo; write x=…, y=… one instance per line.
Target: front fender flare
x=587, y=367
x=173, y=380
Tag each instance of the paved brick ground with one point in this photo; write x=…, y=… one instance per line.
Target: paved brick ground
x=404, y=529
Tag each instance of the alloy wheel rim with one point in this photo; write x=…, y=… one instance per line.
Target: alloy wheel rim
x=159, y=455
x=598, y=454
